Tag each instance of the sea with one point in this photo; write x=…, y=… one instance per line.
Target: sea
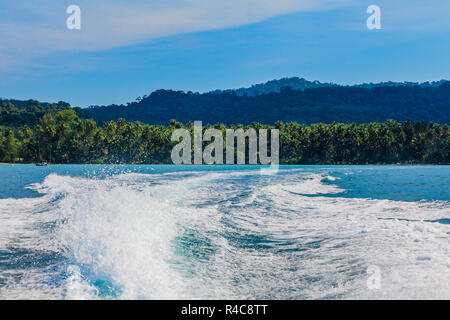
x=224, y=232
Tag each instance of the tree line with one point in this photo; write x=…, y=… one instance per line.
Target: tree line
x=312, y=105
x=64, y=137
x=303, y=102
x=18, y=113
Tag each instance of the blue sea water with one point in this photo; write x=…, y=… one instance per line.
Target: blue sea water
x=224, y=232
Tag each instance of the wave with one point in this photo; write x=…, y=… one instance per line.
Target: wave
x=232, y=235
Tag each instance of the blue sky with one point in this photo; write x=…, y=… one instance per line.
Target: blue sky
x=127, y=49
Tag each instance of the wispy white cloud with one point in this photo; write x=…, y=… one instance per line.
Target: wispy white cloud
x=37, y=28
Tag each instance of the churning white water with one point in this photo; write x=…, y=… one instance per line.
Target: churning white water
x=229, y=234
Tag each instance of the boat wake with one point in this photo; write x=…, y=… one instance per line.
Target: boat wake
x=218, y=235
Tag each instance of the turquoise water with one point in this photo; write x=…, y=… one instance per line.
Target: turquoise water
x=213, y=232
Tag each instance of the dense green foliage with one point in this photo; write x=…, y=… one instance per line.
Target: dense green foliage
x=65, y=138
x=287, y=100
x=276, y=85
x=301, y=84
x=323, y=104
x=16, y=113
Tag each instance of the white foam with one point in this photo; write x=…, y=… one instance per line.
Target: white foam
x=308, y=185
x=209, y=235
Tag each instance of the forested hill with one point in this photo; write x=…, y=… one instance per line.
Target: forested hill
x=297, y=83
x=301, y=101
x=276, y=85
x=18, y=113
x=312, y=105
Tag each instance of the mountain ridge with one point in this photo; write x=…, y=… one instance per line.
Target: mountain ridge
x=297, y=83
x=286, y=99
x=360, y=103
